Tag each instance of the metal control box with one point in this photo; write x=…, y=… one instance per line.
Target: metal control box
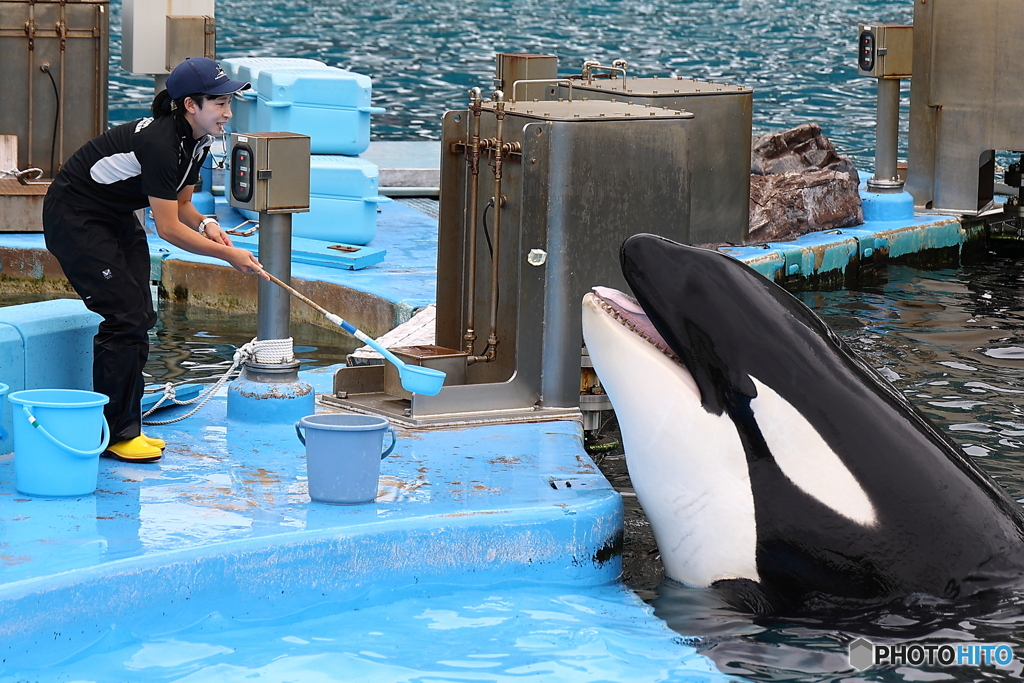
x=145, y=30
x=269, y=172
x=579, y=178
x=719, y=143
x=885, y=50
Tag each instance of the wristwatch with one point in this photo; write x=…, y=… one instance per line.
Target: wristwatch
x=206, y=221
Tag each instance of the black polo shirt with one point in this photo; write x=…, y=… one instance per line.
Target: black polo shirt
x=122, y=168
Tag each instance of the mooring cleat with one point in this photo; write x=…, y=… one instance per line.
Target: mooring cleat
x=133, y=450
x=153, y=441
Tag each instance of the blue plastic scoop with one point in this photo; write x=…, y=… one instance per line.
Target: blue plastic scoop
x=415, y=379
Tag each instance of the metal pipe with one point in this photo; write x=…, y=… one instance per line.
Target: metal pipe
x=475, y=106
x=492, y=338
x=887, y=128
x=30, y=31
x=98, y=89
x=275, y=249
x=62, y=30
x=588, y=67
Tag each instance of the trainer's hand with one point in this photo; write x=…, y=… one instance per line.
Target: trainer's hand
x=244, y=261
x=215, y=233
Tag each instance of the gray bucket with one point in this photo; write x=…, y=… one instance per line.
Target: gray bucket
x=343, y=454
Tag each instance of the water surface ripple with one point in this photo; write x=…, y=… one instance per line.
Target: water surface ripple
x=798, y=56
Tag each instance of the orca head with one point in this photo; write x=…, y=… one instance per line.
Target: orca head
x=684, y=364
x=695, y=493
x=720, y=317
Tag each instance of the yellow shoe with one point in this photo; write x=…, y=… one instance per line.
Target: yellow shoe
x=153, y=441
x=133, y=450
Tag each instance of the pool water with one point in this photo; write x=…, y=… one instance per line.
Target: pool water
x=799, y=56
x=500, y=633
x=191, y=343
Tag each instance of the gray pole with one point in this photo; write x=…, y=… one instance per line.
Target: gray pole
x=276, y=257
x=887, y=131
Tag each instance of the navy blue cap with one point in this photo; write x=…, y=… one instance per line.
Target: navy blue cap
x=201, y=76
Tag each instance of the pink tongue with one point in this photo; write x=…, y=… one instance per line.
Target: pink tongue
x=619, y=300
x=628, y=308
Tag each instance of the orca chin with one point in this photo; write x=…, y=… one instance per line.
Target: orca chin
x=763, y=450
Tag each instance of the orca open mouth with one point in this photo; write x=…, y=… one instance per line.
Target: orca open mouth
x=627, y=311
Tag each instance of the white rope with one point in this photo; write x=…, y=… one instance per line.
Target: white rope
x=23, y=176
x=273, y=351
x=266, y=351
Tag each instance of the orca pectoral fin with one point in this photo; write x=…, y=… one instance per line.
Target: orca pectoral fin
x=746, y=595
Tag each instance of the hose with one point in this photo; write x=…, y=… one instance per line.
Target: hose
x=45, y=68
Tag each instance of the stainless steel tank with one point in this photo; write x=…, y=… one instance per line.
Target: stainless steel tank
x=965, y=100
x=719, y=142
x=547, y=215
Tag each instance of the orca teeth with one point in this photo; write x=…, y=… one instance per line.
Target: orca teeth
x=622, y=320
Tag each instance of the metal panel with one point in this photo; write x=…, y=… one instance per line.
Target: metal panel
x=190, y=37
x=512, y=67
x=69, y=40
x=719, y=144
x=144, y=31
x=21, y=206
x=965, y=100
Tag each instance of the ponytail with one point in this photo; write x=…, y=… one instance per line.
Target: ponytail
x=164, y=105
x=161, y=104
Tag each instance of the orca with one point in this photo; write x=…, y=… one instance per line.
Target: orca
x=770, y=458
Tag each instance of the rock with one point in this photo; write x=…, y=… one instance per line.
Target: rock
x=787, y=205
x=804, y=148
x=800, y=184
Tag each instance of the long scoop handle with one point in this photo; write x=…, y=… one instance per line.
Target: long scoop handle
x=299, y=295
x=343, y=324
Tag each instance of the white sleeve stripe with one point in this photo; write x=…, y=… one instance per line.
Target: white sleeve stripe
x=115, y=168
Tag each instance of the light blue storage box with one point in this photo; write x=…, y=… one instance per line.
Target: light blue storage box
x=343, y=201
x=248, y=69
x=331, y=106
x=45, y=345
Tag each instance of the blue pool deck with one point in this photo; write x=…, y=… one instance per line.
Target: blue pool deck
x=213, y=564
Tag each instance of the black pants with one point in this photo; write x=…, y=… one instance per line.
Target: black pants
x=105, y=257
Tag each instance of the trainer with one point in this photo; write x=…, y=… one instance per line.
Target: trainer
x=90, y=227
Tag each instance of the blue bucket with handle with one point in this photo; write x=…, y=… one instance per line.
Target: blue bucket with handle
x=58, y=437
x=343, y=454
